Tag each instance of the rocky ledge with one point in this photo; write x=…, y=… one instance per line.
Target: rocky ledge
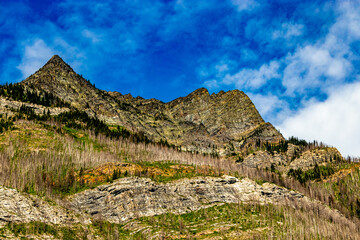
x=130, y=198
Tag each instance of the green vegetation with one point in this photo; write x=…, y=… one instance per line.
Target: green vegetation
x=54, y=153
x=6, y=124
x=112, y=231
x=18, y=92
x=317, y=173
x=40, y=229
x=80, y=120
x=282, y=146
x=297, y=141
x=238, y=217
x=239, y=159
x=228, y=221
x=343, y=191
x=172, y=171
x=72, y=182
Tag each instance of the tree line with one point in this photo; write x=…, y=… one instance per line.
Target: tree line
x=20, y=93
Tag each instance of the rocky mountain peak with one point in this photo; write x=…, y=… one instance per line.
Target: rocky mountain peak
x=55, y=72
x=58, y=63
x=58, y=78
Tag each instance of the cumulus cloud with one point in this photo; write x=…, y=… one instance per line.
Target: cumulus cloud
x=334, y=121
x=253, y=78
x=35, y=55
x=328, y=61
x=313, y=67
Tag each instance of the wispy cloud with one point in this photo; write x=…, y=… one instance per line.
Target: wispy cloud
x=35, y=55
x=243, y=5
x=288, y=31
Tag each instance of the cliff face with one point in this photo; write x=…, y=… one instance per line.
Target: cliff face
x=220, y=123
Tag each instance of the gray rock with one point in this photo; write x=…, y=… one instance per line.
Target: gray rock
x=19, y=207
x=130, y=198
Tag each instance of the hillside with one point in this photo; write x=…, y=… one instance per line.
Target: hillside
x=77, y=162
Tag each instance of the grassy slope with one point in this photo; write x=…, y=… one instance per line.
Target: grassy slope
x=54, y=160
x=227, y=221
x=40, y=159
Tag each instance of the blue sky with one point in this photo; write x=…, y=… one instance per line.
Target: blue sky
x=297, y=60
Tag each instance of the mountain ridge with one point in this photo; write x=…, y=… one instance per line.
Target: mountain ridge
x=197, y=122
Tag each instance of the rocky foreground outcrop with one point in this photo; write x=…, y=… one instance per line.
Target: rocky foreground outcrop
x=16, y=207
x=130, y=198
x=133, y=197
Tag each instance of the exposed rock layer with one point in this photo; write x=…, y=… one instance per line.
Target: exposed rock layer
x=130, y=198
x=17, y=207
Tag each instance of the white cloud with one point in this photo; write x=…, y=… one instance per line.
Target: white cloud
x=211, y=84
x=271, y=107
x=329, y=60
x=95, y=38
x=288, y=31
x=334, y=121
x=348, y=21
x=253, y=78
x=243, y=5
x=222, y=68
x=314, y=66
x=35, y=56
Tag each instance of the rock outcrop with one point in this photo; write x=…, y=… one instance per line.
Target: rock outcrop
x=16, y=207
x=130, y=198
x=309, y=159
x=302, y=159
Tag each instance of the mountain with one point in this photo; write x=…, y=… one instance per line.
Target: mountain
x=221, y=123
x=77, y=162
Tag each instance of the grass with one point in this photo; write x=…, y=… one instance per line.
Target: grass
x=343, y=190
x=27, y=230
x=229, y=221
x=225, y=221
x=156, y=171
x=111, y=230
x=219, y=220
